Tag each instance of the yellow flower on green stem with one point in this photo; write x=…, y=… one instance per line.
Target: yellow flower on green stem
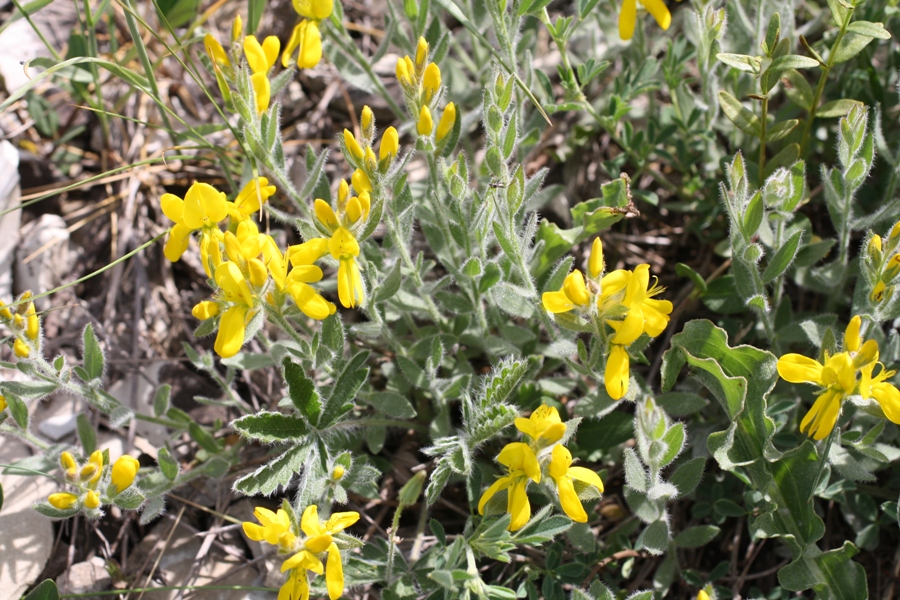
x=522, y=465
x=319, y=539
x=618, y=372
x=124, y=471
x=839, y=377
x=62, y=500
x=304, y=272
x=250, y=199
x=203, y=208
x=565, y=475
x=235, y=293
x=448, y=120
x=215, y=51
x=543, y=425
x=274, y=528
x=314, y=9
x=876, y=388
x=343, y=245
x=307, y=37
x=644, y=313
x=628, y=16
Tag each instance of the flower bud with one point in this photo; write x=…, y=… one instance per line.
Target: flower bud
x=367, y=123
x=62, y=500
x=215, y=51
x=67, y=461
x=4, y=311
x=421, y=53
x=892, y=269
x=343, y=192
x=360, y=181
x=3, y=403
x=32, y=326
x=258, y=273
x=21, y=349
x=18, y=321
x=390, y=144
x=96, y=459
x=403, y=75
x=877, y=294
x=370, y=161
x=895, y=231
x=337, y=472
x=425, y=124
x=206, y=309
x=124, y=471
x=448, y=120
x=874, y=250
x=431, y=81
x=595, y=262
x=352, y=145
x=237, y=28
x=92, y=500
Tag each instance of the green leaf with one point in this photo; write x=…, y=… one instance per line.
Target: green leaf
x=684, y=270
x=674, y=440
x=797, y=89
x=851, y=45
x=255, y=10
x=249, y=361
x=392, y=404
x=204, y=438
x=538, y=531
x=167, y=464
x=745, y=120
x=831, y=574
x=837, y=108
x=791, y=61
x=271, y=427
x=86, y=434
x=655, y=538
x=46, y=590
x=161, y=400
x=869, y=29
x=177, y=12
x=785, y=158
x=681, y=404
x=390, y=285
x=613, y=429
x=741, y=62
x=753, y=216
x=343, y=394
x=92, y=354
x=302, y=391
x=781, y=130
x=278, y=472
x=27, y=390
x=19, y=411
x=694, y=537
x=783, y=258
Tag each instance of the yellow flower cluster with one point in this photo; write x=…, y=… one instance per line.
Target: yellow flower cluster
x=25, y=325
x=241, y=261
x=843, y=374
x=306, y=35
x=628, y=15
x=260, y=58
x=623, y=300
x=882, y=264
x=420, y=81
x=277, y=528
x=523, y=461
x=88, y=478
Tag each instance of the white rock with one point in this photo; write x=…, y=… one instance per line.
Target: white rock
x=10, y=222
x=58, y=427
x=27, y=537
x=85, y=577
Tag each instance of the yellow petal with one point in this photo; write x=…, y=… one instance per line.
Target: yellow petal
x=390, y=144
x=797, y=368
x=627, y=19
x=256, y=57
x=518, y=506
x=425, y=124
x=325, y=214
x=556, y=302
x=569, y=501
x=124, y=471
x=203, y=206
x=587, y=476
x=271, y=45
x=308, y=252
x=888, y=397
x=342, y=520
x=334, y=573
x=575, y=288
x=318, y=543
x=92, y=500
x=309, y=301
x=314, y=9
x=560, y=461
x=310, y=45
x=343, y=244
x=309, y=522
x=820, y=419
x=177, y=242
x=402, y=73
x=617, y=372
x=431, y=81
x=262, y=91
x=173, y=207
x=630, y=329
x=852, y=340
x=360, y=181
x=254, y=531
x=500, y=484
x=656, y=316
x=258, y=273
x=66, y=460
x=448, y=120
x=303, y=560
x=421, y=51
x=352, y=145
x=658, y=9
x=62, y=500
x=215, y=50
x=231, y=331
x=367, y=121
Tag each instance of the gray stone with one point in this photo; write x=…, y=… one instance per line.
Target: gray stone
x=58, y=427
x=84, y=578
x=11, y=221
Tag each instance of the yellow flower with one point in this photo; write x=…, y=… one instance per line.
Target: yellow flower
x=562, y=471
x=4, y=311
x=390, y=144
x=644, y=314
x=92, y=500
x=62, y=500
x=3, y=403
x=702, y=595
x=628, y=16
x=303, y=273
x=314, y=9
x=367, y=122
x=421, y=52
x=274, y=528
x=296, y=587
x=307, y=37
x=337, y=472
x=124, y=471
x=521, y=464
x=68, y=464
x=544, y=424
x=32, y=323
x=249, y=200
x=203, y=207
x=838, y=377
x=215, y=51
x=574, y=293
x=361, y=182
x=404, y=72
x=617, y=373
x=319, y=539
x=237, y=27
x=448, y=120
x=425, y=123
x=344, y=248
x=352, y=145
x=235, y=291
x=261, y=58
